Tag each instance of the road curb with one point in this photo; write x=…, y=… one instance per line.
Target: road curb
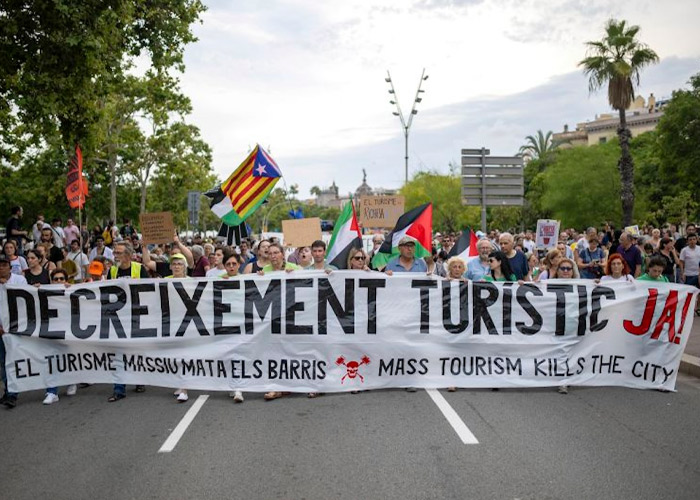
x=690, y=365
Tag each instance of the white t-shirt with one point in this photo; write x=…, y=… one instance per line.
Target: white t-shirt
x=18, y=265
x=107, y=253
x=80, y=260
x=624, y=277
x=691, y=260
x=215, y=272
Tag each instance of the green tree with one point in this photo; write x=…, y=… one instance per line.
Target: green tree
x=58, y=58
x=679, y=140
x=616, y=61
x=538, y=146
x=579, y=187
x=445, y=191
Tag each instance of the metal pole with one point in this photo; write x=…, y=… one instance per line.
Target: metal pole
x=483, y=190
x=406, y=156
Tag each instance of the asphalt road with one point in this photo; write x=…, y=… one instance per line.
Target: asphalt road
x=592, y=443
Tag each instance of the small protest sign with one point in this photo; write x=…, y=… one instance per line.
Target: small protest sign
x=157, y=227
x=547, y=232
x=380, y=211
x=634, y=230
x=301, y=232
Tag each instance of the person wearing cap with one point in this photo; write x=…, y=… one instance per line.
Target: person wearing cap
x=9, y=399
x=406, y=262
x=163, y=268
x=631, y=253
x=95, y=271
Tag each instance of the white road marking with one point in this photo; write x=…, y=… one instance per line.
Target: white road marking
x=179, y=431
x=455, y=421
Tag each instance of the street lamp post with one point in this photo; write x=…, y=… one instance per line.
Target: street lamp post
x=406, y=125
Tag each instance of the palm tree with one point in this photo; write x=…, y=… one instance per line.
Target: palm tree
x=617, y=60
x=538, y=147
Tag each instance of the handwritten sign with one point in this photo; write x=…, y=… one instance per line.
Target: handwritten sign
x=157, y=227
x=380, y=211
x=301, y=232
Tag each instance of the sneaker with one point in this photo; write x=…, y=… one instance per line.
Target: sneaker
x=50, y=398
x=182, y=397
x=10, y=401
x=177, y=393
x=72, y=389
x=563, y=389
x=140, y=388
x=238, y=397
x=411, y=389
x=232, y=394
x=84, y=385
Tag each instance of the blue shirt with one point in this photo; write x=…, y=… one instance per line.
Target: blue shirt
x=519, y=265
x=419, y=266
x=476, y=269
x=633, y=257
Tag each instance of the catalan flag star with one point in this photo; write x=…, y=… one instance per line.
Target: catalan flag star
x=261, y=169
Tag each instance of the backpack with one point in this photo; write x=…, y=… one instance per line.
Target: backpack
x=107, y=235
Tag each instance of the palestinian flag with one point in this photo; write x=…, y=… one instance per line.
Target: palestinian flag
x=246, y=188
x=417, y=224
x=465, y=246
x=346, y=235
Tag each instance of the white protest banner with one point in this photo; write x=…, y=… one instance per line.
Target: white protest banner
x=547, y=233
x=309, y=331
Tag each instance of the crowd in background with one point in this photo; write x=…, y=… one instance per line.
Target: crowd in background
x=57, y=253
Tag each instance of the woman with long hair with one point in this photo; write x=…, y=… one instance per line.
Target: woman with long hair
x=17, y=263
x=566, y=270
x=617, y=269
x=500, y=268
x=551, y=261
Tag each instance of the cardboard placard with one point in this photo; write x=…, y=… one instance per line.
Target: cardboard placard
x=157, y=227
x=634, y=230
x=301, y=232
x=547, y=233
x=380, y=211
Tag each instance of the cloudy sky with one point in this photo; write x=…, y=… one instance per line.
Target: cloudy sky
x=306, y=78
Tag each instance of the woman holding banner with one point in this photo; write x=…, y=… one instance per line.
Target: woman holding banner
x=500, y=268
x=178, y=266
x=277, y=261
x=617, y=269
x=261, y=258
x=59, y=277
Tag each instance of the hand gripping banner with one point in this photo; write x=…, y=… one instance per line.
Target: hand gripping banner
x=308, y=331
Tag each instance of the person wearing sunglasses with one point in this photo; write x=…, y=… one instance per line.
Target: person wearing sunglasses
x=357, y=260
x=566, y=270
x=500, y=269
x=59, y=277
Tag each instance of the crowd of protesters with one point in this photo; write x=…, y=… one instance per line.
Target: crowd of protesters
x=53, y=253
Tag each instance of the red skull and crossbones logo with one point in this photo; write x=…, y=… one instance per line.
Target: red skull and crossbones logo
x=352, y=368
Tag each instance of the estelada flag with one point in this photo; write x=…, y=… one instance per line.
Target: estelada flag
x=246, y=188
x=76, y=184
x=416, y=224
x=465, y=246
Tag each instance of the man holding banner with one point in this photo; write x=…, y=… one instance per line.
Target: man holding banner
x=125, y=268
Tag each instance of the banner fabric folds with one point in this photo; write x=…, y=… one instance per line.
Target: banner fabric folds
x=310, y=331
